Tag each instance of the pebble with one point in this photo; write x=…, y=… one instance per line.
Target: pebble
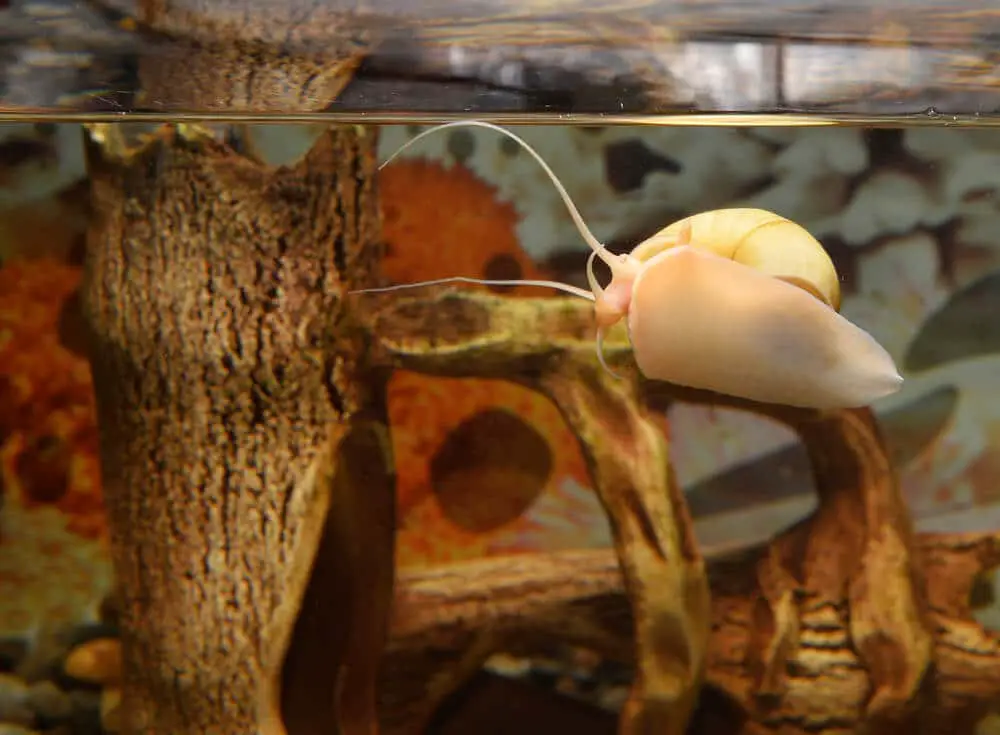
x=507, y=665
x=575, y=672
x=98, y=661
x=66, y=683
x=7, y=728
x=111, y=699
x=12, y=652
x=14, y=709
x=585, y=661
x=86, y=718
x=613, y=698
x=50, y=704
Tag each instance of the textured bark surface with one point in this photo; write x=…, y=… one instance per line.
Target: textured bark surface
x=548, y=344
x=664, y=573
x=226, y=372
x=831, y=680
x=838, y=638
x=293, y=56
x=447, y=620
x=834, y=627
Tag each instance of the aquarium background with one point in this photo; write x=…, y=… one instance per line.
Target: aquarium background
x=911, y=218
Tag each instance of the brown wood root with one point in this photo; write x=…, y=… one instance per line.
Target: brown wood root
x=469, y=610
x=246, y=467
x=248, y=484
x=548, y=345
x=830, y=628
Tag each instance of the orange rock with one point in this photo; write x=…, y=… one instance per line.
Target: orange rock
x=98, y=661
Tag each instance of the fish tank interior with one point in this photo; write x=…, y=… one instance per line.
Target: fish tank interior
x=497, y=367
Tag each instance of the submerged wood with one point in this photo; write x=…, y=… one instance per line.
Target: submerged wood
x=248, y=485
x=241, y=452
x=844, y=623
x=850, y=567
x=447, y=620
x=454, y=613
x=547, y=344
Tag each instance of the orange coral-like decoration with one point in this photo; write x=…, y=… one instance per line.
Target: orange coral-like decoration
x=48, y=428
x=441, y=222
x=444, y=221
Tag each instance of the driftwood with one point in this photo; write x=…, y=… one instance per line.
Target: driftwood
x=241, y=455
x=548, y=345
x=249, y=490
x=842, y=624
x=579, y=598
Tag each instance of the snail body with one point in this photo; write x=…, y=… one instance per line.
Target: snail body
x=738, y=301
x=750, y=335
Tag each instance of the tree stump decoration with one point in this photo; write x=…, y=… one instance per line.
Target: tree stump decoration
x=240, y=450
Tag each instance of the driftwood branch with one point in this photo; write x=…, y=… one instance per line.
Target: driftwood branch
x=548, y=345
x=465, y=612
x=848, y=578
x=447, y=620
x=243, y=425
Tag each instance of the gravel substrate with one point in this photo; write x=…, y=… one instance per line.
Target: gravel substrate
x=62, y=682
x=575, y=672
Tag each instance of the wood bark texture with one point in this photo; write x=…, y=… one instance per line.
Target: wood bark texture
x=240, y=451
x=289, y=57
x=580, y=598
x=843, y=624
x=549, y=345
x=249, y=490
